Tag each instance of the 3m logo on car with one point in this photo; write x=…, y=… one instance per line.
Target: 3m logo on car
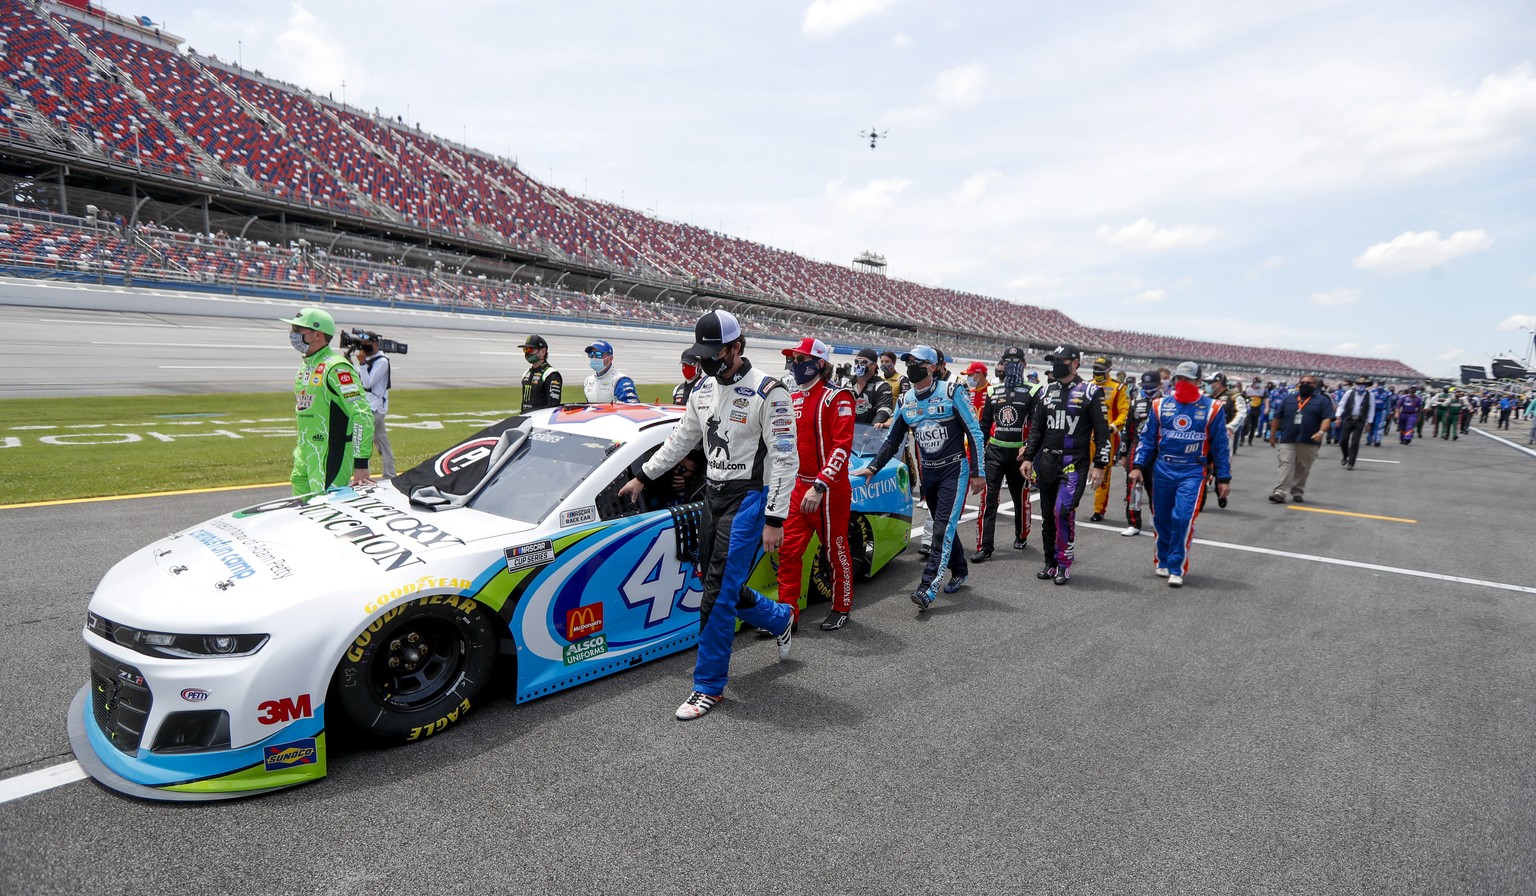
x=299, y=752
x=288, y=709
x=583, y=622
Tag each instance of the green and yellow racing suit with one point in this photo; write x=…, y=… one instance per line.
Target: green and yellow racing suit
x=334, y=420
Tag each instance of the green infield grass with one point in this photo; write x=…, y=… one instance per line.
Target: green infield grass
x=63, y=448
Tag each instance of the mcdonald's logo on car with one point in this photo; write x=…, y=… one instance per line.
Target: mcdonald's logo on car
x=583, y=622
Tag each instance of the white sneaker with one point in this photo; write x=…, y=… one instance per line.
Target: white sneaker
x=1161, y=572
x=1175, y=581
x=1130, y=531
x=697, y=704
x=785, y=637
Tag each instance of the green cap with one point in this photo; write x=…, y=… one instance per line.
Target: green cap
x=313, y=319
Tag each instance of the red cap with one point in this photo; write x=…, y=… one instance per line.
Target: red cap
x=811, y=346
x=976, y=367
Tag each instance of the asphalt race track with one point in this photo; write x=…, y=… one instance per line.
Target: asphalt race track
x=1279, y=725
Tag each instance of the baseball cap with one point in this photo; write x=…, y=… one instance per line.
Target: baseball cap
x=601, y=346
x=922, y=353
x=1362, y=380
x=1188, y=370
x=1013, y=353
x=1064, y=353
x=534, y=341
x=812, y=347
x=976, y=367
x=1100, y=364
x=313, y=319
x=866, y=353
x=1217, y=377
x=713, y=332
x=1150, y=378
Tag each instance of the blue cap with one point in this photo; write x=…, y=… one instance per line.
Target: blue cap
x=601, y=346
x=921, y=353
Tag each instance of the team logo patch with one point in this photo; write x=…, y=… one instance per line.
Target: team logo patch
x=583, y=622
x=1007, y=415
x=299, y=752
x=461, y=456
x=1182, y=422
x=344, y=377
x=743, y=390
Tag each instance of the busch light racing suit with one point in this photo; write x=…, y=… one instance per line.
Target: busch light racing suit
x=747, y=426
x=941, y=421
x=335, y=423
x=1005, y=423
x=1181, y=439
x=1067, y=416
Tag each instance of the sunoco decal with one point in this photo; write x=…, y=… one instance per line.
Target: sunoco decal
x=299, y=752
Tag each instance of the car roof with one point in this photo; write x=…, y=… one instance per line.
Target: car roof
x=619, y=422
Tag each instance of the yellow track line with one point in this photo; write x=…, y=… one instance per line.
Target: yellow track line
x=1364, y=516
x=185, y=491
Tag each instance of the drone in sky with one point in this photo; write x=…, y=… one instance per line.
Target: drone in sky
x=873, y=136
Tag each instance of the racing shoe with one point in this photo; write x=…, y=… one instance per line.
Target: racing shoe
x=1047, y=573
x=923, y=597
x=954, y=583
x=1161, y=572
x=1096, y=517
x=1131, y=531
x=834, y=621
x=785, y=638
x=1175, y=581
x=1221, y=502
x=982, y=555
x=697, y=705
x=1020, y=544
x=1063, y=576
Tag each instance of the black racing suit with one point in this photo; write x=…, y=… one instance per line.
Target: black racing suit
x=1005, y=424
x=541, y=388
x=1135, y=419
x=1059, y=444
x=873, y=403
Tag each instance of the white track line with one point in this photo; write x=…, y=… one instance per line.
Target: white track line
x=40, y=780
x=1505, y=441
x=1372, y=460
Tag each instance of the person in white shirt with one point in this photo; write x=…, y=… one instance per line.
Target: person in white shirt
x=607, y=385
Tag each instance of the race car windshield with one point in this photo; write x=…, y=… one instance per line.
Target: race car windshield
x=867, y=439
x=545, y=468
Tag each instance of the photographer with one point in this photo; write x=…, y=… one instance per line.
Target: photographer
x=373, y=370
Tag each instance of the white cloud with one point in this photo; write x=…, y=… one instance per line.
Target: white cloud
x=951, y=88
x=876, y=195
x=1382, y=348
x=1145, y=235
x=1414, y=251
x=317, y=59
x=1034, y=281
x=1263, y=267
x=1532, y=281
x=1344, y=347
x=824, y=18
x=1335, y=297
x=901, y=41
x=1518, y=322
x=977, y=185
x=1450, y=355
x=1149, y=296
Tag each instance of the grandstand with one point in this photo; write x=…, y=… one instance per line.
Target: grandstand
x=126, y=157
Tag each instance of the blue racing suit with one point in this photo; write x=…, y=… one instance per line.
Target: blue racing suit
x=1181, y=439
x=1384, y=398
x=941, y=420
x=1408, y=409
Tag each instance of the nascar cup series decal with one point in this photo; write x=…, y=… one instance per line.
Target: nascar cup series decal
x=535, y=553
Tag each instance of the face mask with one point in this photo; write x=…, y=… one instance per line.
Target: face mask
x=975, y=381
x=597, y=364
x=917, y=372
x=298, y=343
x=1186, y=392
x=861, y=370
x=804, y=371
x=1100, y=377
x=689, y=372
x=1148, y=391
x=712, y=365
x=1305, y=389
x=887, y=369
x=1061, y=369
x=531, y=357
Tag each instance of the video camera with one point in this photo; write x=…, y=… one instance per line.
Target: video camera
x=355, y=338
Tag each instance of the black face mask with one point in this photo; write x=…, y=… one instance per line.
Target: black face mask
x=917, y=372
x=1305, y=389
x=1061, y=369
x=712, y=365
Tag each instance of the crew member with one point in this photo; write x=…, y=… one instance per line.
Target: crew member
x=541, y=384
x=1357, y=408
x=335, y=423
x=822, y=496
x=690, y=379
x=1408, y=408
x=1138, y=492
x=1115, y=402
x=899, y=383
x=745, y=420
x=606, y=385
x=1236, y=409
x=938, y=414
x=1184, y=433
x=1384, y=398
x=1005, y=424
x=1450, y=415
x=873, y=402
x=1058, y=448
x=373, y=370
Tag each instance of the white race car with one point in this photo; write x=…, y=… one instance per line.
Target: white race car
x=218, y=653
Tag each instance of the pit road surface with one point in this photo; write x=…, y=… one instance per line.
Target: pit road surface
x=1279, y=725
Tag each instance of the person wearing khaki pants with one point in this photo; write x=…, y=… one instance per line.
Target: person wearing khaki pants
x=1296, y=430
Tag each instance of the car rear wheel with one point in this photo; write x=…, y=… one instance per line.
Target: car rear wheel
x=417, y=668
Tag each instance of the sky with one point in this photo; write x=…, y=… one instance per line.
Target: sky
x=1351, y=177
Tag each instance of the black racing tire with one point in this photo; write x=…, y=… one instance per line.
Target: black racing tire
x=417, y=668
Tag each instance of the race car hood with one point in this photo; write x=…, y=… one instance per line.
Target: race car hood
x=234, y=571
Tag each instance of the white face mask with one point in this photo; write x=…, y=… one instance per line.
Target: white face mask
x=296, y=339
x=975, y=381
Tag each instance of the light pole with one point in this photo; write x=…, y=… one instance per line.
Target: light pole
x=138, y=151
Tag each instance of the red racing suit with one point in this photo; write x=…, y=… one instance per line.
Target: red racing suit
x=824, y=439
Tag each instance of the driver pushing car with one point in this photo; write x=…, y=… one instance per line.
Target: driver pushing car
x=747, y=424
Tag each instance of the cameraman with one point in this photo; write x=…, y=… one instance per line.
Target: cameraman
x=373, y=370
